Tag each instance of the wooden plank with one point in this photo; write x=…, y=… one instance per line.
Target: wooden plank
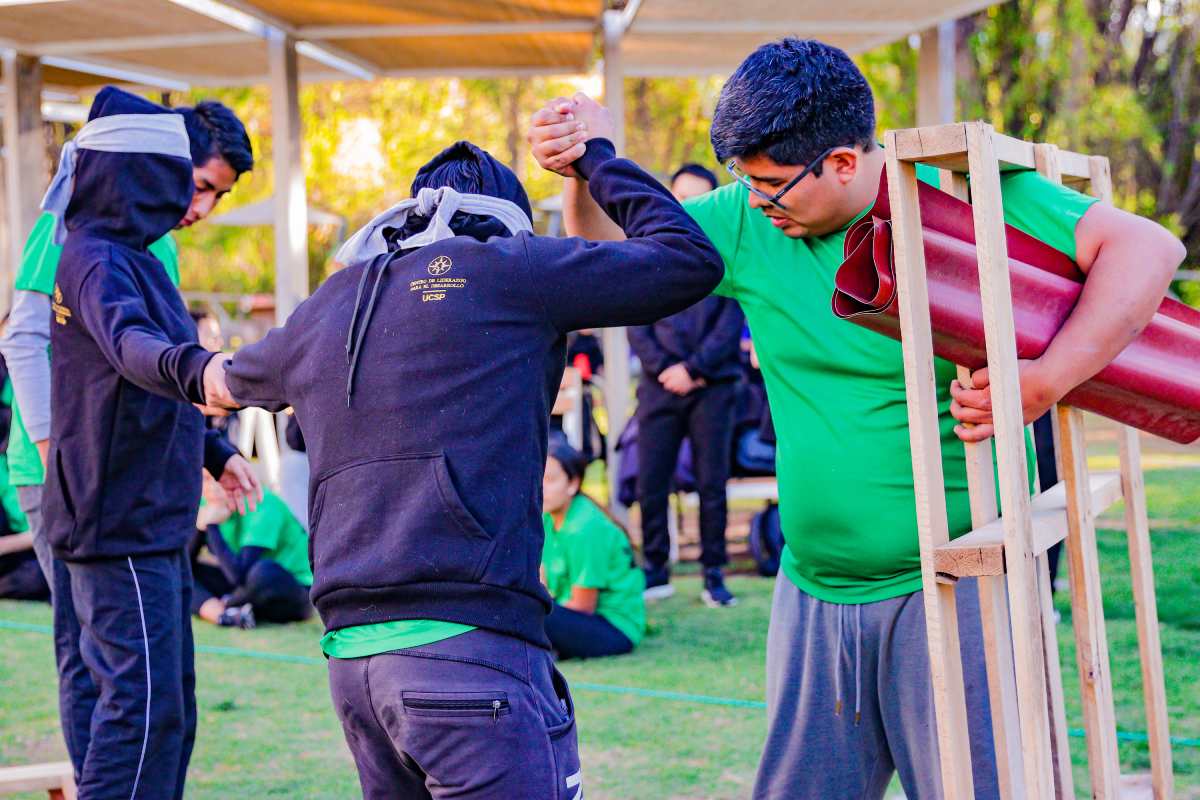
x=941, y=620
x=1137, y=527
x=1074, y=167
x=981, y=552
x=1087, y=614
x=1064, y=779
x=37, y=777
x=25, y=171
x=999, y=331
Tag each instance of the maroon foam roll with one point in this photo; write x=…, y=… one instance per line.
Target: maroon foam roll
x=1152, y=385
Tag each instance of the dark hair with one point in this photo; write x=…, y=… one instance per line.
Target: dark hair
x=199, y=315
x=573, y=462
x=790, y=100
x=699, y=171
x=214, y=130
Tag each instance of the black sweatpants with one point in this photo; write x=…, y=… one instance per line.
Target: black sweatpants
x=127, y=682
x=574, y=634
x=273, y=591
x=664, y=419
x=477, y=716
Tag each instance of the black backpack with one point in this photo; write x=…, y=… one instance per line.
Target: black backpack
x=766, y=540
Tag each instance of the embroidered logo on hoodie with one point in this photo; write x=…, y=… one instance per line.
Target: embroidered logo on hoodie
x=61, y=312
x=435, y=288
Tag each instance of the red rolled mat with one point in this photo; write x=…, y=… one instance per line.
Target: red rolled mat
x=1152, y=385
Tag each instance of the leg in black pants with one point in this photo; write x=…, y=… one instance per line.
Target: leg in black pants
x=662, y=423
x=710, y=427
x=209, y=582
x=574, y=634
x=21, y=578
x=275, y=594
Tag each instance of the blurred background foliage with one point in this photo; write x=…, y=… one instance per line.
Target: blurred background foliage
x=1115, y=77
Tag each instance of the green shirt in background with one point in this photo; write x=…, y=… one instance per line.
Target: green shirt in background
x=8, y=493
x=39, y=264
x=591, y=552
x=272, y=527
x=837, y=396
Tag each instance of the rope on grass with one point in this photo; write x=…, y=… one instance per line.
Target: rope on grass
x=603, y=688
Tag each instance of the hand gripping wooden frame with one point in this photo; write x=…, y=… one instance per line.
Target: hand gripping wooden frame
x=1008, y=553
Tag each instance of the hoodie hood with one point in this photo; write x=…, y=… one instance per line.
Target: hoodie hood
x=128, y=198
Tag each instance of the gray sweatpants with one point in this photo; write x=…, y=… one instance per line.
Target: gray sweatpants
x=30, y=499
x=479, y=716
x=849, y=699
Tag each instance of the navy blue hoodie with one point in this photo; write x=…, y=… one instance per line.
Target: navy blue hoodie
x=425, y=498
x=127, y=446
x=705, y=338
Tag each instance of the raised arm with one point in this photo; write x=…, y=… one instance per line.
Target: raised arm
x=664, y=265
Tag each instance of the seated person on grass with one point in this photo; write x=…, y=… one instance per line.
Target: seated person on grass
x=20, y=576
x=588, y=566
x=261, y=570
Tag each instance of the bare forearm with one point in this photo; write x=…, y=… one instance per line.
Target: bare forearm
x=1124, y=287
x=582, y=215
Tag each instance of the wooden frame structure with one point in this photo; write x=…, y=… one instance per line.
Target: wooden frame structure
x=1008, y=553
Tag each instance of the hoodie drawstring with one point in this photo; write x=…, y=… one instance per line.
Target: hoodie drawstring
x=837, y=671
x=354, y=343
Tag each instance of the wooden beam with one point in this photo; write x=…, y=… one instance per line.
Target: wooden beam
x=538, y=27
x=291, y=208
x=945, y=146
x=935, y=76
x=981, y=552
x=25, y=173
x=983, y=155
x=1060, y=743
x=941, y=618
x=775, y=28
x=993, y=602
x=85, y=47
x=1087, y=614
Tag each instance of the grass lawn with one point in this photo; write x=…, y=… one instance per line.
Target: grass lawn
x=267, y=728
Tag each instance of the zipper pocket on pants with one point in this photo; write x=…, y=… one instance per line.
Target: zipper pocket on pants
x=492, y=707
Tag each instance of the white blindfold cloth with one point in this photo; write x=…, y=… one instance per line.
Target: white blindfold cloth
x=153, y=134
x=439, y=205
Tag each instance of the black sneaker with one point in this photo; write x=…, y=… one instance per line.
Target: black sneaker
x=238, y=617
x=715, y=595
x=658, y=583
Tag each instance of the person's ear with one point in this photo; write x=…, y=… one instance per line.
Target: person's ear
x=574, y=486
x=842, y=163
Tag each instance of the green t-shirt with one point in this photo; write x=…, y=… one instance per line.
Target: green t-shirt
x=272, y=527
x=8, y=493
x=591, y=552
x=360, y=641
x=39, y=263
x=837, y=394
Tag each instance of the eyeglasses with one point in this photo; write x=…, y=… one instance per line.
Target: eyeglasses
x=774, y=199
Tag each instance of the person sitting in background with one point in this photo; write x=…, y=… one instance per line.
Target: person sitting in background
x=262, y=570
x=20, y=576
x=588, y=567
x=689, y=369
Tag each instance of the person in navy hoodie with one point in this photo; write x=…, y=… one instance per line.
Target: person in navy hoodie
x=127, y=446
x=423, y=375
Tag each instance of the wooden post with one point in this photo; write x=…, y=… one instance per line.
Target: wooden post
x=941, y=620
x=25, y=170
x=291, y=208
x=615, y=343
x=999, y=332
x=1141, y=566
x=935, y=76
x=993, y=601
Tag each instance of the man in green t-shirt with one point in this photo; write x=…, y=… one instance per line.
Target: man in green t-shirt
x=795, y=124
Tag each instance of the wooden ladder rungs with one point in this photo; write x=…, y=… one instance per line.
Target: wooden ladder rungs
x=981, y=552
x=59, y=775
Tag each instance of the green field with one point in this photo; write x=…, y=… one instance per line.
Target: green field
x=267, y=728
